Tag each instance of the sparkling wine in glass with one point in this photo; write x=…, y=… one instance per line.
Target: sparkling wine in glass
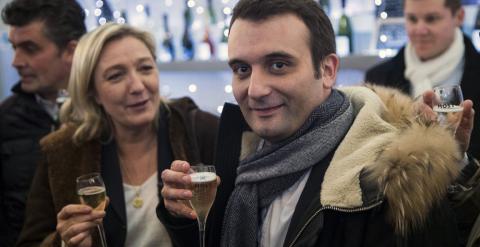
x=448, y=106
x=204, y=189
x=91, y=190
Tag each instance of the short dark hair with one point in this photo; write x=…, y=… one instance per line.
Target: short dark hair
x=322, y=36
x=453, y=5
x=64, y=20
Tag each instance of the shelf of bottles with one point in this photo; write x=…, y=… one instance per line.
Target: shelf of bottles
x=197, y=30
x=185, y=30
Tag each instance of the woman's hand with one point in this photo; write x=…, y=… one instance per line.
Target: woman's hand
x=75, y=223
x=175, y=195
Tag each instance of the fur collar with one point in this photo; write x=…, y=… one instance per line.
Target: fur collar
x=409, y=159
x=406, y=159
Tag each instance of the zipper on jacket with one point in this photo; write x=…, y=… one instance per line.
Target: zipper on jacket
x=344, y=210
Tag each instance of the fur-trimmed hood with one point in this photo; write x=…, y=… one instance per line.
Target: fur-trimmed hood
x=390, y=153
x=409, y=159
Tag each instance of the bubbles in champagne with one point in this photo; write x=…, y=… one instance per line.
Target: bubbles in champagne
x=201, y=177
x=204, y=189
x=449, y=116
x=93, y=196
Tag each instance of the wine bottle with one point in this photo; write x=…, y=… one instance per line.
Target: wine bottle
x=325, y=4
x=187, y=42
x=207, y=40
x=344, y=34
x=211, y=13
x=223, y=46
x=168, y=39
x=225, y=29
x=107, y=12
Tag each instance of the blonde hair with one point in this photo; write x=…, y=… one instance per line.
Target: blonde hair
x=82, y=110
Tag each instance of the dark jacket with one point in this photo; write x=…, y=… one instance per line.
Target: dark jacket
x=366, y=195
x=391, y=73
x=184, y=132
x=23, y=122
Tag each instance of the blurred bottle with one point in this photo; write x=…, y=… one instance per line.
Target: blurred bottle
x=106, y=12
x=223, y=45
x=344, y=34
x=207, y=43
x=168, y=39
x=206, y=48
x=187, y=42
x=325, y=4
x=124, y=17
x=211, y=13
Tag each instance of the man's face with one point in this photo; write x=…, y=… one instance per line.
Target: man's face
x=273, y=77
x=43, y=68
x=431, y=26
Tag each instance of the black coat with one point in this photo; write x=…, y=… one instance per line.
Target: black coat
x=23, y=122
x=311, y=225
x=185, y=133
x=391, y=73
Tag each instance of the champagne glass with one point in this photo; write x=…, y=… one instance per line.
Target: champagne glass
x=91, y=189
x=448, y=106
x=204, y=189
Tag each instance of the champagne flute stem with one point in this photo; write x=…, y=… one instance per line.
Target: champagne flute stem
x=201, y=231
x=101, y=231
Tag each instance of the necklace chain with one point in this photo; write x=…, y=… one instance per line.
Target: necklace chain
x=137, y=201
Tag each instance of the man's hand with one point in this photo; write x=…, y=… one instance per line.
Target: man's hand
x=465, y=127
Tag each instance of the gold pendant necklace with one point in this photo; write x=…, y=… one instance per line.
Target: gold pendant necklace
x=138, y=200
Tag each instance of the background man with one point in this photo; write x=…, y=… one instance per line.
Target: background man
x=304, y=164
x=437, y=54
x=43, y=34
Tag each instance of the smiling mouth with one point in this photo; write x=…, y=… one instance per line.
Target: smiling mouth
x=266, y=111
x=139, y=104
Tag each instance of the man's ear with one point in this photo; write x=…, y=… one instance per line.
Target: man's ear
x=70, y=50
x=329, y=67
x=459, y=16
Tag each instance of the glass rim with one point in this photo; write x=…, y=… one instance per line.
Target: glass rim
x=88, y=175
x=446, y=86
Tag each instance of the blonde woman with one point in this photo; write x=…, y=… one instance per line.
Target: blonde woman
x=116, y=124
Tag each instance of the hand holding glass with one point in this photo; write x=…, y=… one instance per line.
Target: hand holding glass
x=91, y=189
x=204, y=189
x=448, y=106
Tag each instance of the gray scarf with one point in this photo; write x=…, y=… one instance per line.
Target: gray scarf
x=264, y=175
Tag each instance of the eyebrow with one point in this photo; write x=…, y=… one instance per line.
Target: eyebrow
x=22, y=43
x=272, y=55
x=120, y=66
x=279, y=54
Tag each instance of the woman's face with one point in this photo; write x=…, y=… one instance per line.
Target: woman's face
x=126, y=83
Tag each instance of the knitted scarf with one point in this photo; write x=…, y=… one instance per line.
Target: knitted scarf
x=264, y=175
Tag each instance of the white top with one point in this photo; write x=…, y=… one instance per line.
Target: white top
x=143, y=227
x=277, y=220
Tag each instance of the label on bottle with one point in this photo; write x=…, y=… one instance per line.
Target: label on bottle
x=343, y=45
x=203, y=51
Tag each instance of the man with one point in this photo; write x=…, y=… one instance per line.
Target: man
x=437, y=54
x=43, y=34
x=304, y=164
